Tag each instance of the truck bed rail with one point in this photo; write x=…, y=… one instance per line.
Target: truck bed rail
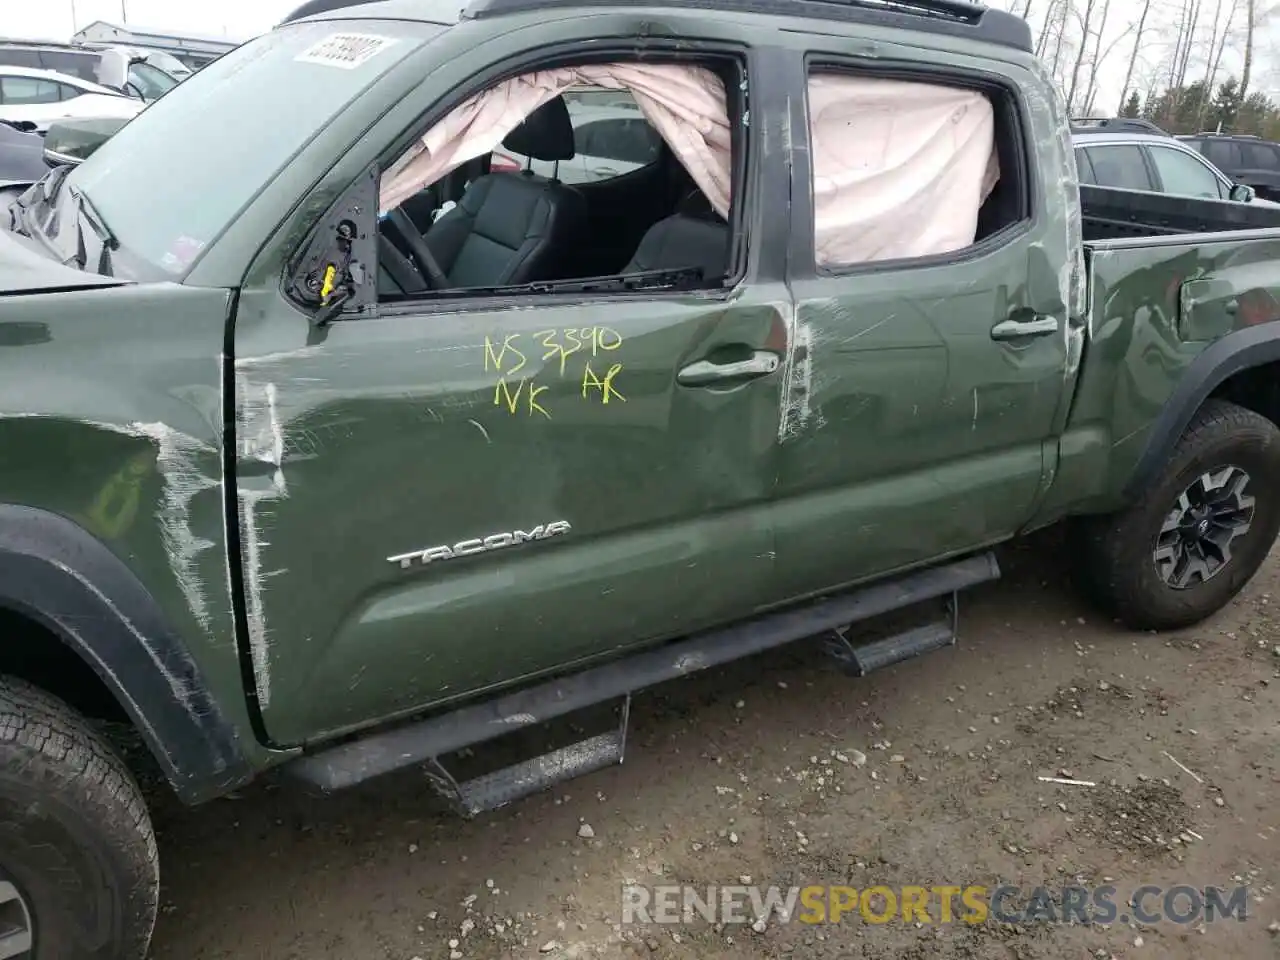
x=1110, y=214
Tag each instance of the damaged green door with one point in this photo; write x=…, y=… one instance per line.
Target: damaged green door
x=927, y=393
x=446, y=496
x=436, y=503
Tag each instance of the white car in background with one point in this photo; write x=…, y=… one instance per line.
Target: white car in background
x=43, y=97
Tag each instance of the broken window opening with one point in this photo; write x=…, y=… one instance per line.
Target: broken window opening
x=567, y=179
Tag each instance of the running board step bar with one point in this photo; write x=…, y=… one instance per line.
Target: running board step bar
x=425, y=741
x=497, y=789
x=859, y=660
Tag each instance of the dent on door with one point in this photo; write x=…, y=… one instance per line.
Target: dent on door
x=922, y=427
x=433, y=505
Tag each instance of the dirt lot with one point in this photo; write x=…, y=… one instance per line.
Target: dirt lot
x=754, y=772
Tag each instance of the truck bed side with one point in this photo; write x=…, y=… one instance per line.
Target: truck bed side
x=1172, y=320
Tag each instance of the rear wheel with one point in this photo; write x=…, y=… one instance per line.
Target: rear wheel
x=1199, y=534
x=78, y=865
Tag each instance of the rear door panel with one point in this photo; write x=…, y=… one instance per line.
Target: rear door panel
x=919, y=434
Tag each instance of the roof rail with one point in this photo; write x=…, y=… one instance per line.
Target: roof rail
x=1131, y=124
x=312, y=7
x=955, y=17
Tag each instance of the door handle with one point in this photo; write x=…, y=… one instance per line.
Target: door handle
x=1036, y=325
x=761, y=364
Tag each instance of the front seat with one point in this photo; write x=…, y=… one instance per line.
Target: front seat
x=694, y=236
x=512, y=228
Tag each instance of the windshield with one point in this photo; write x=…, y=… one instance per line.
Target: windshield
x=152, y=82
x=176, y=175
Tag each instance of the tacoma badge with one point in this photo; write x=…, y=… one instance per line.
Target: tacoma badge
x=468, y=548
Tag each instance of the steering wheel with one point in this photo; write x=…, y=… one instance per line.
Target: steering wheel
x=419, y=252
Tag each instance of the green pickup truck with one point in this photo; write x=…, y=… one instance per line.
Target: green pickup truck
x=334, y=448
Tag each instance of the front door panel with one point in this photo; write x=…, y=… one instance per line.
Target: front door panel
x=437, y=503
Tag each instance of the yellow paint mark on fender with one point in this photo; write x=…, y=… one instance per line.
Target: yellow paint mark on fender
x=116, y=506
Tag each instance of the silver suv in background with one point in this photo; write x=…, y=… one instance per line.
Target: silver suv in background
x=1138, y=156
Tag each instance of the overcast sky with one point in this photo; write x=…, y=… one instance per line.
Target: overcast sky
x=52, y=19
x=242, y=19
x=1155, y=55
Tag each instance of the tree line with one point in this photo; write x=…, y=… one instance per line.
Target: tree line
x=1185, y=65
x=1194, y=108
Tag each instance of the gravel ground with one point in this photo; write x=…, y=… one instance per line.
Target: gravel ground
x=783, y=771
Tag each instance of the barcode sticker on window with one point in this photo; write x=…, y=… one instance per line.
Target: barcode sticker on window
x=345, y=50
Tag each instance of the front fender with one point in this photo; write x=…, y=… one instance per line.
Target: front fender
x=55, y=572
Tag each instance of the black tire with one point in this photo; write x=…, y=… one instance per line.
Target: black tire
x=76, y=844
x=1115, y=554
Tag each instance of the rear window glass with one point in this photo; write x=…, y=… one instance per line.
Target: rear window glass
x=1084, y=169
x=1221, y=153
x=20, y=58
x=1259, y=156
x=1184, y=174
x=1121, y=166
x=28, y=91
x=81, y=65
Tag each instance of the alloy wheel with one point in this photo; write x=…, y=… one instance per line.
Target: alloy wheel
x=1196, y=538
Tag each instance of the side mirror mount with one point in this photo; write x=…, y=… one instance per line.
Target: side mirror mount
x=54, y=159
x=334, y=272
x=1243, y=193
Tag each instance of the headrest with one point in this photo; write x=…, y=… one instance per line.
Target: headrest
x=546, y=134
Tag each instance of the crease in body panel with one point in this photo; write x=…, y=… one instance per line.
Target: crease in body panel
x=871, y=329
x=176, y=456
x=1046, y=96
x=797, y=375
x=262, y=439
x=177, y=460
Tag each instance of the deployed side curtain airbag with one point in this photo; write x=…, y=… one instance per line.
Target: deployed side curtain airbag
x=685, y=104
x=899, y=168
